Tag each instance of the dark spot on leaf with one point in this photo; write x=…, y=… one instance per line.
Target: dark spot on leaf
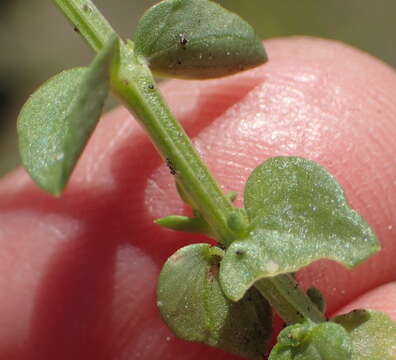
x=171, y=167
x=239, y=252
x=151, y=86
x=221, y=246
x=76, y=30
x=183, y=41
x=86, y=8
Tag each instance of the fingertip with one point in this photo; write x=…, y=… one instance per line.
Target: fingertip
x=382, y=298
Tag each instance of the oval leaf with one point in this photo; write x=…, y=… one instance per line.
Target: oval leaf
x=298, y=214
x=193, y=305
x=373, y=334
x=196, y=39
x=297, y=196
x=326, y=341
x=58, y=119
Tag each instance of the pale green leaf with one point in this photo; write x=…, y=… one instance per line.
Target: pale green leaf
x=373, y=334
x=56, y=122
x=325, y=341
x=193, y=305
x=196, y=39
x=184, y=223
x=298, y=215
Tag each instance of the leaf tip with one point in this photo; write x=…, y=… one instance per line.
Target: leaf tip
x=51, y=185
x=56, y=192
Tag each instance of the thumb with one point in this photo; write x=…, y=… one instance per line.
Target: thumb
x=79, y=272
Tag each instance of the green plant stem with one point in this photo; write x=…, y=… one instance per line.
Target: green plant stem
x=134, y=84
x=87, y=20
x=290, y=301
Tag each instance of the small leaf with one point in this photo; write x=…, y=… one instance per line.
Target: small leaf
x=373, y=334
x=58, y=119
x=196, y=39
x=184, y=223
x=325, y=341
x=298, y=214
x=238, y=222
x=193, y=305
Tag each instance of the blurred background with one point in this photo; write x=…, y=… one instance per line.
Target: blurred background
x=37, y=42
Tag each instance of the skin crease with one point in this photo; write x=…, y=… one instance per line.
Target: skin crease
x=78, y=273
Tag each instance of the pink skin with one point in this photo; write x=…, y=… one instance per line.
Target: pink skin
x=78, y=273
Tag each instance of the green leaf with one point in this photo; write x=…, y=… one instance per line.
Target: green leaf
x=193, y=305
x=298, y=214
x=196, y=39
x=184, y=223
x=325, y=341
x=373, y=334
x=58, y=119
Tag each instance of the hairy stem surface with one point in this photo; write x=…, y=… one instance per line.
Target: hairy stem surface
x=87, y=20
x=290, y=301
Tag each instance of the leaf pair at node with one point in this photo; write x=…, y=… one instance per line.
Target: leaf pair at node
x=308, y=341
x=359, y=335
x=298, y=214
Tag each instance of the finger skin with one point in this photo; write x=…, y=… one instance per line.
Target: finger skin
x=382, y=298
x=78, y=273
